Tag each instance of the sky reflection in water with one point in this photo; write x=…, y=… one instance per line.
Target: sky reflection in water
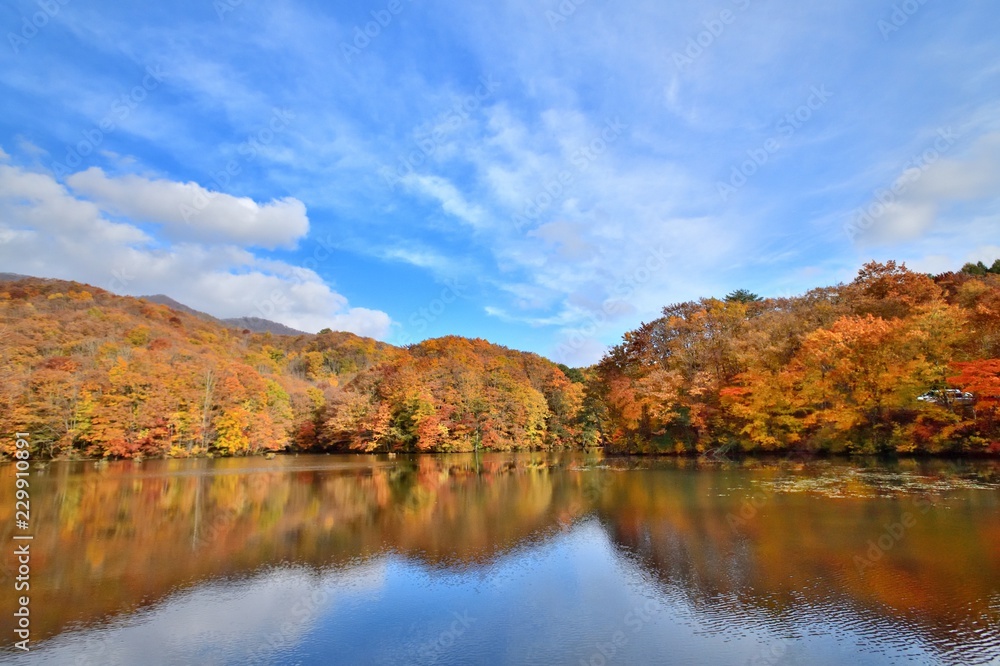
x=515, y=559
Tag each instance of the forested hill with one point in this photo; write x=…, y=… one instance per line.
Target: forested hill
x=857, y=368
x=89, y=373
x=839, y=369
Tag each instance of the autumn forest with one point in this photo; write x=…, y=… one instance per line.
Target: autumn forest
x=860, y=368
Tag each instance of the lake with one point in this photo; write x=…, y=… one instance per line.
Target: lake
x=508, y=559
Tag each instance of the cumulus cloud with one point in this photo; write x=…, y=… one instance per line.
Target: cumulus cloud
x=188, y=211
x=927, y=189
x=49, y=231
x=369, y=323
x=37, y=205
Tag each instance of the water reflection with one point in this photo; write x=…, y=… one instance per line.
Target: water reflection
x=512, y=559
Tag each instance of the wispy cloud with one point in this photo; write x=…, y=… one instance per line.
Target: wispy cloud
x=541, y=169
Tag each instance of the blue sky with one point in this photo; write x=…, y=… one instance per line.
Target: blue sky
x=542, y=174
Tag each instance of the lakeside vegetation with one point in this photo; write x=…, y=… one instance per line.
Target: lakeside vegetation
x=147, y=531
x=836, y=370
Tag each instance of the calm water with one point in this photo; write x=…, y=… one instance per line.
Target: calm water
x=497, y=559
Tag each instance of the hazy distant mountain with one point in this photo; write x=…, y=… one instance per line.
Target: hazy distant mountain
x=10, y=277
x=252, y=324
x=258, y=325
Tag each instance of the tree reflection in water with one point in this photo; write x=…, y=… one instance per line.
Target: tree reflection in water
x=745, y=547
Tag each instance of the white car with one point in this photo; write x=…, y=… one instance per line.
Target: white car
x=948, y=397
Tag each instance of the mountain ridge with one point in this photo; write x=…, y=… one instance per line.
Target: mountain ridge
x=252, y=324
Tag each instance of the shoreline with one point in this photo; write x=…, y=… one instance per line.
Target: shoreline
x=728, y=457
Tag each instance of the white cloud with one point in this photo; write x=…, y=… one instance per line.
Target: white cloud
x=984, y=253
x=452, y=201
x=972, y=176
x=903, y=220
x=933, y=264
x=3, y=155
x=422, y=258
x=922, y=196
x=35, y=202
x=566, y=239
x=577, y=349
x=47, y=231
x=188, y=211
x=369, y=323
x=30, y=148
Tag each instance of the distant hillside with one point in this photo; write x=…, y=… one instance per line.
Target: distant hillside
x=860, y=368
x=89, y=373
x=252, y=324
x=258, y=325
